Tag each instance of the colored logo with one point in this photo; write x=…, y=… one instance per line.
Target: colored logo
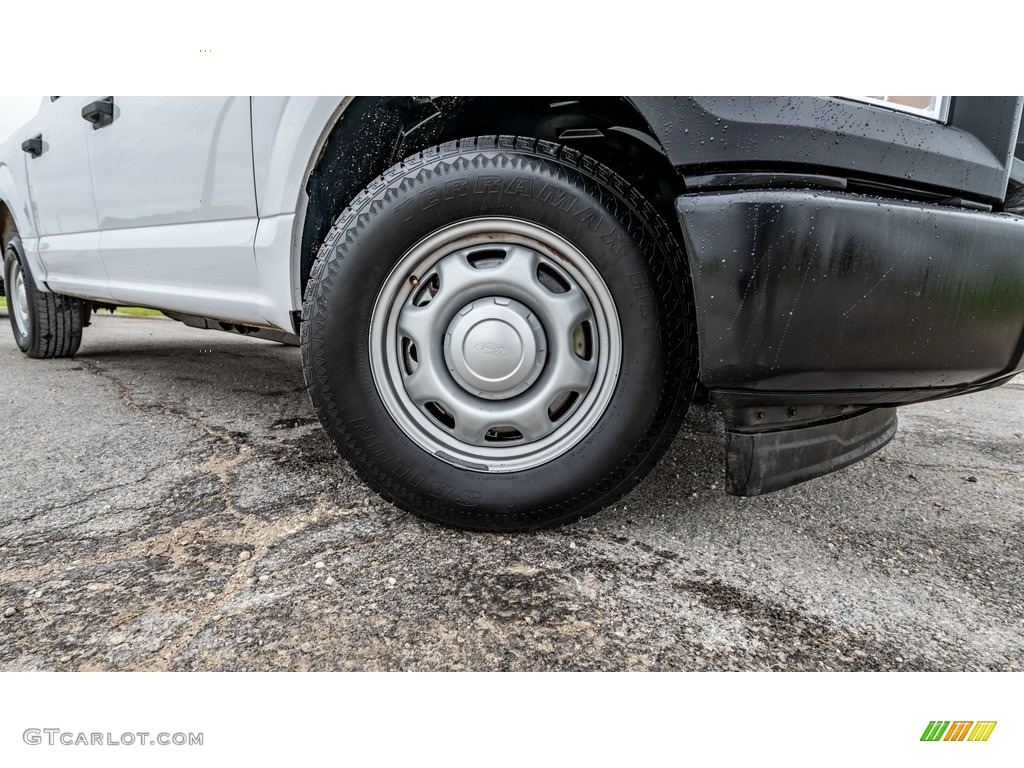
x=958, y=730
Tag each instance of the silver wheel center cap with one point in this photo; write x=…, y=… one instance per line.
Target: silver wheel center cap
x=495, y=348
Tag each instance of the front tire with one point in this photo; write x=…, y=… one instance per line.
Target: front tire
x=496, y=337
x=45, y=325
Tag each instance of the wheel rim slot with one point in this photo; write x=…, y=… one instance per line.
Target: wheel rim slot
x=583, y=341
x=503, y=435
x=410, y=357
x=552, y=279
x=488, y=258
x=443, y=416
x=561, y=405
x=427, y=290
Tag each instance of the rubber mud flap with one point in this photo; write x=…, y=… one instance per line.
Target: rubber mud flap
x=761, y=462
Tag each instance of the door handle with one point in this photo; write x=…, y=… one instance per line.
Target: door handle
x=34, y=146
x=99, y=113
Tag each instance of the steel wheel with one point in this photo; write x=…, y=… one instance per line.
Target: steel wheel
x=495, y=345
x=19, y=300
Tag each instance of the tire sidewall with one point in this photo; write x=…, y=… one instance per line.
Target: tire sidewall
x=352, y=270
x=12, y=255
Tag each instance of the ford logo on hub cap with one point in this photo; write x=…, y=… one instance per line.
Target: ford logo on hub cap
x=493, y=350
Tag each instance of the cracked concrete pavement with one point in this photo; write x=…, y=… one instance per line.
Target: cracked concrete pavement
x=168, y=502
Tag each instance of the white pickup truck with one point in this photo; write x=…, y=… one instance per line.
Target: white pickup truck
x=505, y=305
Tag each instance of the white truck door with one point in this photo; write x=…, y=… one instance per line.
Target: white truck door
x=62, y=200
x=176, y=198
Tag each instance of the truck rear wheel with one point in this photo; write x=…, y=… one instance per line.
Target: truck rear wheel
x=496, y=335
x=44, y=324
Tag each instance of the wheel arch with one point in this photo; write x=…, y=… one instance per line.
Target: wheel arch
x=365, y=136
x=8, y=231
x=8, y=227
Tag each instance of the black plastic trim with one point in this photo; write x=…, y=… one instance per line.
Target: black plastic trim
x=770, y=461
x=33, y=146
x=740, y=398
x=99, y=113
x=763, y=180
x=809, y=292
x=968, y=156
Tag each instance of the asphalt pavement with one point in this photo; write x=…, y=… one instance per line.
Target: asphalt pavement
x=168, y=502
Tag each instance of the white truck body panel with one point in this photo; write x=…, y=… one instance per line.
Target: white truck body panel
x=62, y=200
x=186, y=244
x=13, y=177
x=191, y=204
x=173, y=161
x=198, y=268
x=278, y=240
x=288, y=134
x=72, y=263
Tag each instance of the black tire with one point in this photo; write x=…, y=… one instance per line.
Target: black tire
x=51, y=324
x=549, y=188
x=1014, y=202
